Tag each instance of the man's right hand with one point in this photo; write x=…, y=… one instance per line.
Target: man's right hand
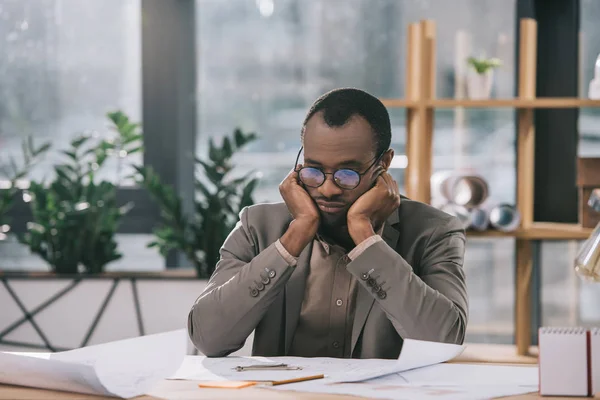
x=304, y=212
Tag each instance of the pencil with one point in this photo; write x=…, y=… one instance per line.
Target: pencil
x=295, y=380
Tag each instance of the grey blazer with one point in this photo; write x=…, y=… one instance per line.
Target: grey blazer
x=253, y=288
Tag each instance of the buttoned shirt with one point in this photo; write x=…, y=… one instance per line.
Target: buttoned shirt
x=325, y=323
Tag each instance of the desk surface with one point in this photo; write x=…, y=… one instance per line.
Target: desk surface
x=187, y=390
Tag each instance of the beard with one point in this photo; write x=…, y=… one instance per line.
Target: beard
x=333, y=221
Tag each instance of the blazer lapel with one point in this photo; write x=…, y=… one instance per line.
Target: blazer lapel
x=364, y=299
x=294, y=294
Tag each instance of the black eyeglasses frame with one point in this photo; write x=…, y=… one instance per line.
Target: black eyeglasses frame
x=360, y=174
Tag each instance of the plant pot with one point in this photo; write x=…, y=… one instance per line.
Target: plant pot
x=479, y=86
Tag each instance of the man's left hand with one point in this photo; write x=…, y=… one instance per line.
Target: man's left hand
x=369, y=212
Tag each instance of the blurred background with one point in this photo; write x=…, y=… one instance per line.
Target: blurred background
x=193, y=71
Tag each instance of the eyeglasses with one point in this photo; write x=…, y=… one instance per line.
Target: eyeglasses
x=344, y=178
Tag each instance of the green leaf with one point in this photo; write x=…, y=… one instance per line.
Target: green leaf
x=42, y=149
x=212, y=173
x=63, y=173
x=77, y=142
x=227, y=150
x=213, y=153
x=246, y=199
x=484, y=64
x=134, y=150
x=71, y=154
x=200, y=186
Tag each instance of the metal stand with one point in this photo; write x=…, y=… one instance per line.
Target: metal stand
x=28, y=316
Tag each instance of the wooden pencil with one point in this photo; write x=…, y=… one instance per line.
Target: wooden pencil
x=295, y=380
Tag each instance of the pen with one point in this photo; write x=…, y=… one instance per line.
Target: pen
x=266, y=367
x=295, y=380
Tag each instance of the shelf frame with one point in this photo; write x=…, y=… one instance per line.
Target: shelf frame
x=517, y=103
x=420, y=105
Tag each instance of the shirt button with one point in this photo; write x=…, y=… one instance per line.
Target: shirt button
x=339, y=302
x=347, y=259
x=336, y=345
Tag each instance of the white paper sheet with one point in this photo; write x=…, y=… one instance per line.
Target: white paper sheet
x=375, y=390
x=125, y=368
x=470, y=374
x=415, y=353
x=200, y=368
x=442, y=382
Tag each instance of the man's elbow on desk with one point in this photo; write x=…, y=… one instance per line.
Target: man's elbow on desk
x=456, y=333
x=213, y=345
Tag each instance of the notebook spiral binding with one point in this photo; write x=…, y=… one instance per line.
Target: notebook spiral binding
x=565, y=330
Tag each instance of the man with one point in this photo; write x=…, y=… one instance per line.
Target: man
x=345, y=267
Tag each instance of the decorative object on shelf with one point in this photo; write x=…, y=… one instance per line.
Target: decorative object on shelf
x=480, y=219
x=587, y=262
x=594, y=89
x=465, y=196
x=588, y=179
x=480, y=77
x=218, y=202
x=464, y=189
x=76, y=216
x=14, y=174
x=505, y=217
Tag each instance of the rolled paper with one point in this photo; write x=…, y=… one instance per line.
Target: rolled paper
x=465, y=189
x=480, y=219
x=505, y=217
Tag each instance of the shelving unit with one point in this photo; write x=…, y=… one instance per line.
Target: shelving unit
x=546, y=102
x=420, y=104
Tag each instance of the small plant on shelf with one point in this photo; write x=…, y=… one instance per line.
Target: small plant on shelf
x=483, y=65
x=76, y=215
x=480, y=76
x=218, y=200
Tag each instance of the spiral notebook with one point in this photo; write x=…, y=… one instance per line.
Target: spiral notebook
x=565, y=362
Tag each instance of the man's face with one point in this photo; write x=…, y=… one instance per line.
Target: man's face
x=350, y=146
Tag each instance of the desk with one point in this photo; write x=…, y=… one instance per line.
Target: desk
x=187, y=390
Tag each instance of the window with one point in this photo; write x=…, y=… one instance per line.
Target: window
x=589, y=119
x=65, y=64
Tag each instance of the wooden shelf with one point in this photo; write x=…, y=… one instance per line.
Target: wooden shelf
x=399, y=103
x=173, y=274
x=540, y=231
x=544, y=102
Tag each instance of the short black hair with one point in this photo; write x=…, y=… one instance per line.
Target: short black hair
x=339, y=105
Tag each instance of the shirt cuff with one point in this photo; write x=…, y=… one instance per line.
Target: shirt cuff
x=364, y=245
x=290, y=259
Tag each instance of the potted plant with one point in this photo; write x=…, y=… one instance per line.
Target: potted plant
x=218, y=200
x=480, y=77
x=14, y=173
x=76, y=215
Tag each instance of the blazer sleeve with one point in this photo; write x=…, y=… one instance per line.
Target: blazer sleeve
x=432, y=305
x=238, y=293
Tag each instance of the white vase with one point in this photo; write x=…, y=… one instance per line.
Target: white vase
x=479, y=86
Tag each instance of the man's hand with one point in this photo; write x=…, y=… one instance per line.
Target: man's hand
x=369, y=212
x=304, y=211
